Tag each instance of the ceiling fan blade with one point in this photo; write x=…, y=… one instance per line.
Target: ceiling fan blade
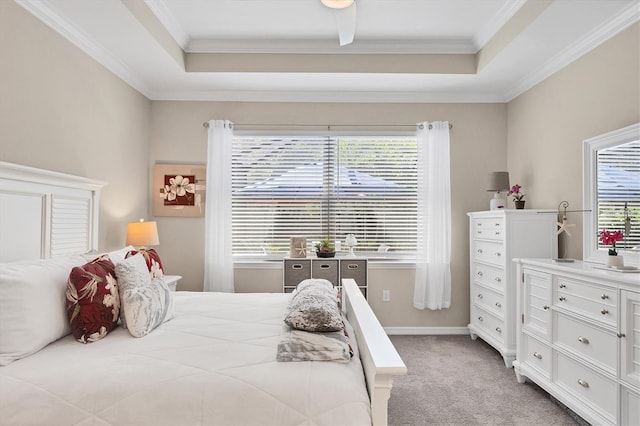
x=346, y=20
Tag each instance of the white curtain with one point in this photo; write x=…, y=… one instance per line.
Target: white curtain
x=218, y=255
x=433, y=263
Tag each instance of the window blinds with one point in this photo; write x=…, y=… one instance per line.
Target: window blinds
x=318, y=187
x=619, y=185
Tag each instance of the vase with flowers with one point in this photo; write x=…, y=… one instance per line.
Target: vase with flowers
x=517, y=196
x=610, y=238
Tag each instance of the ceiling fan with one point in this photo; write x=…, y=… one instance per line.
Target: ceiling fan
x=345, y=14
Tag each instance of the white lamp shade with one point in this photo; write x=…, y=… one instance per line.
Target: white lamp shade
x=337, y=4
x=350, y=240
x=142, y=234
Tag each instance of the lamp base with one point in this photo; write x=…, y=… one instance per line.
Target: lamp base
x=498, y=202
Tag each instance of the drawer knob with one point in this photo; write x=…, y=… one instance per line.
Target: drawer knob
x=480, y=273
x=562, y=286
x=498, y=279
x=498, y=304
x=498, y=254
x=583, y=340
x=604, y=297
x=562, y=298
x=480, y=296
x=497, y=232
x=296, y=266
x=497, y=223
x=583, y=383
x=480, y=319
x=480, y=251
x=620, y=334
x=537, y=355
x=604, y=312
x=498, y=329
x=545, y=307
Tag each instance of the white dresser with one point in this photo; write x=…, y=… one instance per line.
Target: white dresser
x=496, y=237
x=579, y=337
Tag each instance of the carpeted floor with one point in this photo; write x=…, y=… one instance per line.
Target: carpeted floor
x=453, y=380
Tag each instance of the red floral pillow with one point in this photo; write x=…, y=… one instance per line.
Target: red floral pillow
x=153, y=261
x=93, y=302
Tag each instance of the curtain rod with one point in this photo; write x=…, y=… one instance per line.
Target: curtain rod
x=206, y=125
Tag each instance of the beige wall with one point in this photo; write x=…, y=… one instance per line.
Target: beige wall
x=478, y=146
x=594, y=95
x=60, y=110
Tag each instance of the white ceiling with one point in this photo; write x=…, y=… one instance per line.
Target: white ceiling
x=138, y=42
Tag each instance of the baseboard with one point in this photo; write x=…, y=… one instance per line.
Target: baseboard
x=425, y=330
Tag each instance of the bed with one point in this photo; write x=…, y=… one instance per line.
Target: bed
x=213, y=363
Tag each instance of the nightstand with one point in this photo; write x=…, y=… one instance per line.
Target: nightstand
x=172, y=281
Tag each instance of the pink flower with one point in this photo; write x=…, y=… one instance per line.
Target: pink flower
x=608, y=237
x=515, y=191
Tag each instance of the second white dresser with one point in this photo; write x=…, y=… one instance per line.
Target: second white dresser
x=496, y=237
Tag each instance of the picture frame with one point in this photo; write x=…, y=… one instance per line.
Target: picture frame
x=179, y=190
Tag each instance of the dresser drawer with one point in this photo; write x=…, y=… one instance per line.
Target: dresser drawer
x=488, y=275
x=490, y=300
x=489, y=252
x=599, y=303
x=587, y=385
x=489, y=228
x=536, y=354
x=585, y=340
x=493, y=325
x=296, y=270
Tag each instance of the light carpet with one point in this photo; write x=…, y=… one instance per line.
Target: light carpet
x=453, y=380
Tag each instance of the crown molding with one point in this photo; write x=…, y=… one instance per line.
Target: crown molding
x=325, y=46
x=160, y=9
x=503, y=16
x=327, y=97
x=43, y=11
x=601, y=34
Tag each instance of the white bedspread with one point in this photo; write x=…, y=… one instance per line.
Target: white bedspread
x=215, y=363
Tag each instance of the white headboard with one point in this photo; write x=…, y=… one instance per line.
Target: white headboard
x=45, y=214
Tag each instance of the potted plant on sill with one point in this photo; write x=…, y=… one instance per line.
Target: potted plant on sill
x=325, y=249
x=608, y=237
x=517, y=196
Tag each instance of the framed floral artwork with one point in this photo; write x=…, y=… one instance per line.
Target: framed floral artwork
x=179, y=190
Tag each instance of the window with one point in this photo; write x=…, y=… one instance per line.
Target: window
x=320, y=187
x=619, y=192
x=611, y=182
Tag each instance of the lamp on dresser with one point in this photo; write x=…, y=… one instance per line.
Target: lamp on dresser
x=498, y=183
x=142, y=234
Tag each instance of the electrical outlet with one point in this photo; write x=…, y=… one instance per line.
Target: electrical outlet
x=386, y=295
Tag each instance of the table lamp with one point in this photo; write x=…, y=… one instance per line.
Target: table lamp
x=142, y=234
x=499, y=183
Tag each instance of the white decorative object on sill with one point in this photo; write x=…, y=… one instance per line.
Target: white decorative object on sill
x=616, y=261
x=350, y=241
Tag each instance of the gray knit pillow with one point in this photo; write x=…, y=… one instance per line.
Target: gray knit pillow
x=314, y=307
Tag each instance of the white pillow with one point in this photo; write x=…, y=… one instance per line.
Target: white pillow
x=145, y=303
x=32, y=305
x=118, y=255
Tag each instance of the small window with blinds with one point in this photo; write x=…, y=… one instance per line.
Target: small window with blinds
x=323, y=187
x=619, y=193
